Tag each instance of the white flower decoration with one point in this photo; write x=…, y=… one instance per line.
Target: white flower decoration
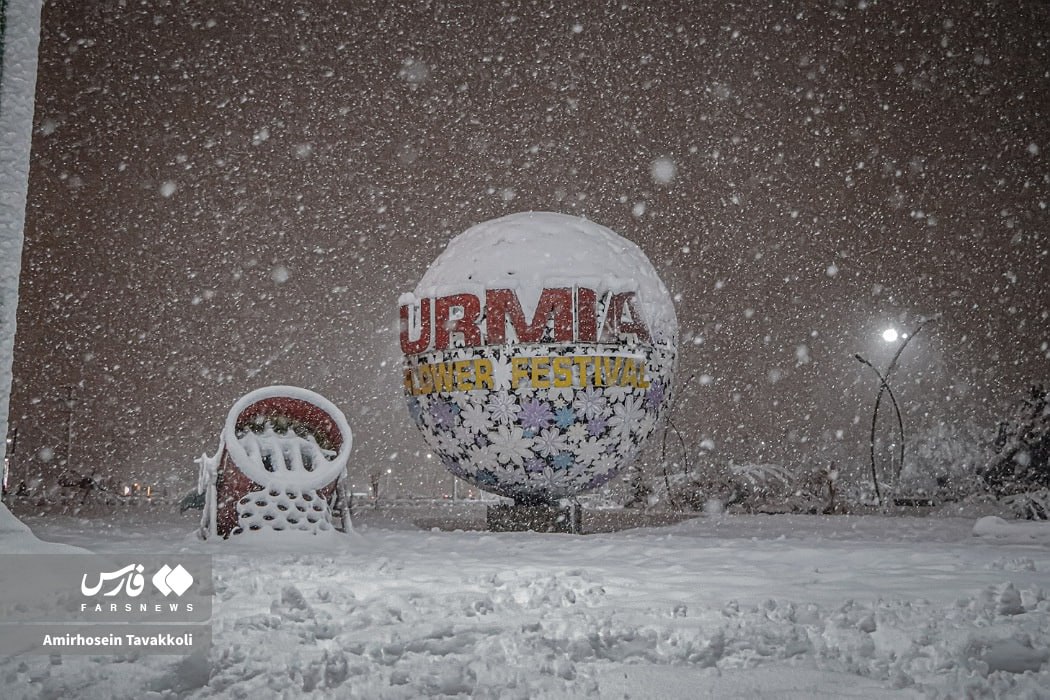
x=564, y=394
x=482, y=457
x=589, y=402
x=590, y=450
x=503, y=407
x=511, y=445
x=549, y=442
x=475, y=418
x=577, y=432
x=626, y=416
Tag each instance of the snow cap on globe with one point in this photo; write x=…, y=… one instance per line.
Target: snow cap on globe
x=540, y=352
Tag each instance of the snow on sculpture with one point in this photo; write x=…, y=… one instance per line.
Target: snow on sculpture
x=280, y=465
x=539, y=352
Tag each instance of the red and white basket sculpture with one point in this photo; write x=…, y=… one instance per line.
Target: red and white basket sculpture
x=281, y=465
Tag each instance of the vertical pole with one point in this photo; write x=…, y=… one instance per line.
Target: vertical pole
x=345, y=507
x=71, y=404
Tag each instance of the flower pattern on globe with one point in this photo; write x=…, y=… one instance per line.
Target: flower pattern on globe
x=548, y=442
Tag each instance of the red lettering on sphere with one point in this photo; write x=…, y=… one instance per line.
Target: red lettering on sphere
x=562, y=315
x=414, y=347
x=464, y=322
x=502, y=305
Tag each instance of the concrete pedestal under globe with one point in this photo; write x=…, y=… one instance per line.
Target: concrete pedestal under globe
x=544, y=517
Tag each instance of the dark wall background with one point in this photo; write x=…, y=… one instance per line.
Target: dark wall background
x=229, y=195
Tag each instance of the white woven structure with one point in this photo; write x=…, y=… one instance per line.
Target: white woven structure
x=272, y=464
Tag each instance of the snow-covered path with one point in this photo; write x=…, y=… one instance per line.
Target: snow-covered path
x=733, y=606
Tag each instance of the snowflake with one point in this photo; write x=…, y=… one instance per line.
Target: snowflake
x=578, y=471
x=535, y=415
x=503, y=406
x=597, y=480
x=510, y=444
x=556, y=482
x=433, y=440
x=589, y=403
x=525, y=393
x=454, y=467
x=463, y=435
x=461, y=399
x=549, y=442
x=486, y=477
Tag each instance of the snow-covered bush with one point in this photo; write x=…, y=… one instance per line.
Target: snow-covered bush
x=1020, y=468
x=1030, y=505
x=682, y=490
x=747, y=486
x=943, y=459
x=755, y=486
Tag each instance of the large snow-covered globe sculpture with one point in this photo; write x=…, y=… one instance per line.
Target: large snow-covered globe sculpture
x=539, y=352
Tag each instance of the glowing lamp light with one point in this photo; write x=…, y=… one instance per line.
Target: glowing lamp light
x=890, y=335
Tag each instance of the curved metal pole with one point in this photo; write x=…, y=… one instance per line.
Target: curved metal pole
x=681, y=442
x=883, y=386
x=900, y=431
x=889, y=371
x=663, y=447
x=663, y=466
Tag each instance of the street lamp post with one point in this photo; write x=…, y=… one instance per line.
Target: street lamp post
x=884, y=387
x=71, y=403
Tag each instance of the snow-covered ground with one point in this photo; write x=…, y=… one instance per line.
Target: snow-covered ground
x=720, y=606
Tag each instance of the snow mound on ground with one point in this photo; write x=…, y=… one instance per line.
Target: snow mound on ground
x=1009, y=655
x=17, y=538
x=385, y=630
x=847, y=607
x=996, y=527
x=283, y=541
